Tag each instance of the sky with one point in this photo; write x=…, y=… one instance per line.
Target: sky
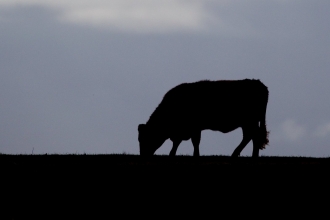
x=79, y=76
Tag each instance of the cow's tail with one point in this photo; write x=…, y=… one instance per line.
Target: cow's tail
x=263, y=133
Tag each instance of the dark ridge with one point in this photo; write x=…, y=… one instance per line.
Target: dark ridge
x=109, y=161
x=68, y=186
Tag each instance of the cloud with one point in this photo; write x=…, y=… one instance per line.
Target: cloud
x=250, y=19
x=292, y=130
x=128, y=15
x=323, y=130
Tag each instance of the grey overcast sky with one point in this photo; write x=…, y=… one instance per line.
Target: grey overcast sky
x=79, y=76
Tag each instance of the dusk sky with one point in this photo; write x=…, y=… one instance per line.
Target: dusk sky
x=79, y=76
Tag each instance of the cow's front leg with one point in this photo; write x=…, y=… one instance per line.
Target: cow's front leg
x=195, y=139
x=176, y=144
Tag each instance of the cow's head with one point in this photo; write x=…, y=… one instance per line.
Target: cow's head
x=149, y=140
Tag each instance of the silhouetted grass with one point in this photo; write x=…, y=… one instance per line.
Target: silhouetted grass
x=116, y=161
x=104, y=161
x=57, y=183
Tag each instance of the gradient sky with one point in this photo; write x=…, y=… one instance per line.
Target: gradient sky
x=79, y=76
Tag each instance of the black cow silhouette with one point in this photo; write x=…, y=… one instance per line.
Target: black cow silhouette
x=223, y=105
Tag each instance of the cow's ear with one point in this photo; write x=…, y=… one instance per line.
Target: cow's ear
x=141, y=127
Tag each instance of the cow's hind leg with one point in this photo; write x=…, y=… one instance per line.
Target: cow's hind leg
x=176, y=144
x=256, y=147
x=195, y=139
x=247, y=136
x=256, y=141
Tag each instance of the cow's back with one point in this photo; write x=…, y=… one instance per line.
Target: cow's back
x=210, y=104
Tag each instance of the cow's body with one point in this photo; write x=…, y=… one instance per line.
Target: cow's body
x=189, y=108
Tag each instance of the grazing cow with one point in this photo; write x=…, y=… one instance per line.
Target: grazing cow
x=223, y=105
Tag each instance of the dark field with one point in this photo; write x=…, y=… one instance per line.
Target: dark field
x=119, y=170
x=108, y=184
x=117, y=161
x=128, y=166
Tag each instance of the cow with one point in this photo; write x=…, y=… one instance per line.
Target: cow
x=223, y=105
